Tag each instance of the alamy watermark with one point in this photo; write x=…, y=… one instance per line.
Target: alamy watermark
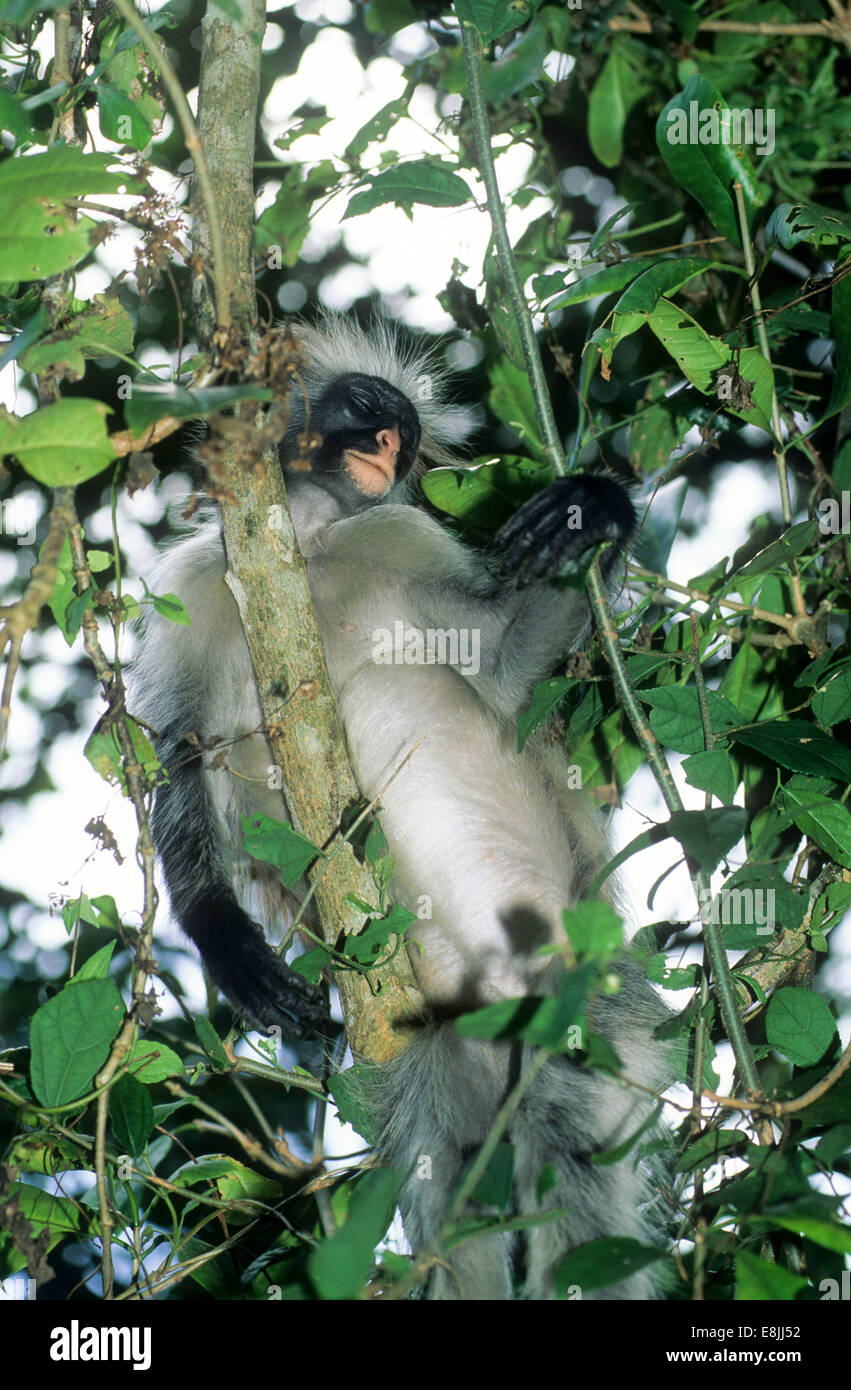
x=432, y=646
x=18, y=518
x=737, y=907
x=726, y=125
x=835, y=514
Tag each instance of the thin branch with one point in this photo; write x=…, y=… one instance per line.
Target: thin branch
x=657, y=763
x=192, y=140
x=507, y=263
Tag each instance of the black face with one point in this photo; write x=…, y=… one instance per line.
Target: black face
x=368, y=430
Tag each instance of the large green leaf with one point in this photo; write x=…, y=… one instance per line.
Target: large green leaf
x=799, y=1024
x=340, y=1265
x=429, y=181
x=701, y=357
x=800, y=746
x=613, y=96
x=688, y=135
x=70, y=1039
x=60, y=444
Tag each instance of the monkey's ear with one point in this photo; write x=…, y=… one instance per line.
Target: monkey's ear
x=556, y=529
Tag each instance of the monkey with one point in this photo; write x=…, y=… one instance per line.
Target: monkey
x=499, y=840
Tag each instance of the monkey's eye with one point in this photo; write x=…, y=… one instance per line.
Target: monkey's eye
x=364, y=402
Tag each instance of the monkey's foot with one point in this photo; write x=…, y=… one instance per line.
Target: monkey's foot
x=550, y=534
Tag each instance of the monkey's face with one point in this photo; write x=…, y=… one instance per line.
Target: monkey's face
x=367, y=430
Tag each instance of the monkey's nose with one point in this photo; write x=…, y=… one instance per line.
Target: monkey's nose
x=389, y=440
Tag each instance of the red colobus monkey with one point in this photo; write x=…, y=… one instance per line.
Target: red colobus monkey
x=498, y=839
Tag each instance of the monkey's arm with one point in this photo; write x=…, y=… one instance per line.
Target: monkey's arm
x=526, y=624
x=198, y=680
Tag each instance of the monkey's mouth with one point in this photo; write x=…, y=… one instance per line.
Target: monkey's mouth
x=373, y=474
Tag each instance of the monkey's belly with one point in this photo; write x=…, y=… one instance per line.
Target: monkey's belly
x=483, y=850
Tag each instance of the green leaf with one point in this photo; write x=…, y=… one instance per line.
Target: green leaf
x=131, y=1114
x=594, y=929
x=546, y=697
x=520, y=65
x=353, y=1090
x=542, y=1022
x=369, y=945
x=152, y=1061
x=793, y=222
x=700, y=357
x=794, y=541
x=120, y=118
x=13, y=117
x=832, y=700
x=340, y=1265
x=759, y=1280
x=709, y=1148
x=606, y=281
x=376, y=128
x=171, y=607
x=824, y=1232
x=149, y=402
x=825, y=821
x=493, y=18
x=286, y=223
x=712, y=771
x=101, y=331
x=603, y=1262
x=613, y=96
x=42, y=238
x=96, y=967
x=707, y=168
x=485, y=494
x=241, y=1184
x=840, y=327
x=799, y=1024
x=275, y=842
x=311, y=964
x=800, y=746
x=59, y=1215
x=510, y=398
x=495, y=1187
x=70, y=1039
x=64, y=171
x=212, y=1044
x=429, y=181
x=676, y=719
x=640, y=299
x=61, y=444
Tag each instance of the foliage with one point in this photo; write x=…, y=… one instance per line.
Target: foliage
x=688, y=328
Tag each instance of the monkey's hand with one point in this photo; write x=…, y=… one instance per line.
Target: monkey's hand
x=551, y=533
x=259, y=984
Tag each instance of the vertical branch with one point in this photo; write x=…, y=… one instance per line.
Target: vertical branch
x=266, y=571
x=508, y=265
x=776, y=426
x=665, y=782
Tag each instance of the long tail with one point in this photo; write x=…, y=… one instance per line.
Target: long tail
x=438, y=1103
